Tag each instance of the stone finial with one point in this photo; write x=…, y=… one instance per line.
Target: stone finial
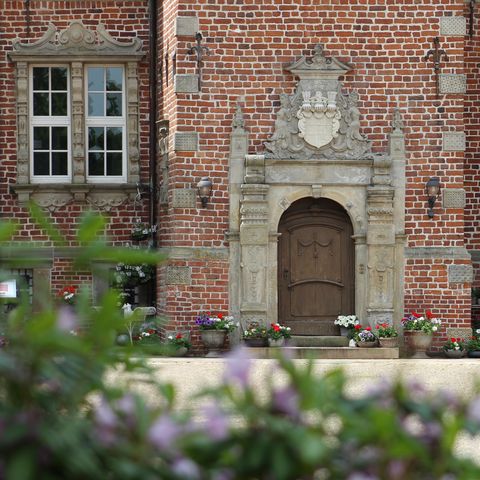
x=238, y=118
x=397, y=122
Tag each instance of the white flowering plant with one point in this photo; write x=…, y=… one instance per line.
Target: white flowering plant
x=277, y=331
x=456, y=344
x=210, y=321
x=128, y=275
x=419, y=323
x=347, y=321
x=142, y=230
x=178, y=341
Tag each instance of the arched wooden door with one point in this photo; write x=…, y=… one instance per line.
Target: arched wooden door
x=315, y=266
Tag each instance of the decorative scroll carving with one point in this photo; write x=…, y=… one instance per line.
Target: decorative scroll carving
x=77, y=40
x=50, y=202
x=238, y=119
x=107, y=202
x=397, y=122
x=381, y=277
x=297, y=137
x=78, y=123
x=344, y=140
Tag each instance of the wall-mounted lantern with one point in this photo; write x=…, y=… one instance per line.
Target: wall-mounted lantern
x=204, y=188
x=433, y=191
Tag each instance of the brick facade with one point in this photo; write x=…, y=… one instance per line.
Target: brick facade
x=249, y=44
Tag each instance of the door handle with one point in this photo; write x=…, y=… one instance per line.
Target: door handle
x=285, y=274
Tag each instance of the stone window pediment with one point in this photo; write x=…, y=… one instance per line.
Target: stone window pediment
x=77, y=47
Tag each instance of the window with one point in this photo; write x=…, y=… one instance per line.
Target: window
x=50, y=124
x=77, y=91
x=105, y=123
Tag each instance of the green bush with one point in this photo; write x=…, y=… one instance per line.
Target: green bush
x=60, y=420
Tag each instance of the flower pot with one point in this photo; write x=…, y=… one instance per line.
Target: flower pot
x=180, y=352
x=255, y=342
x=390, y=342
x=367, y=344
x=276, y=342
x=454, y=353
x=473, y=354
x=418, y=343
x=213, y=340
x=344, y=331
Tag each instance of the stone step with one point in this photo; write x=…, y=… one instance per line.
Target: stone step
x=339, y=353
x=318, y=341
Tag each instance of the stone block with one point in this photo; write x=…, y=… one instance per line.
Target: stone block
x=186, y=141
x=253, y=235
x=454, y=141
x=460, y=274
x=455, y=26
x=184, y=198
x=453, y=83
x=176, y=275
x=457, y=332
x=186, y=26
x=186, y=84
x=453, y=198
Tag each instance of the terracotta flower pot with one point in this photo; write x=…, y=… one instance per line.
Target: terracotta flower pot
x=278, y=342
x=367, y=344
x=473, y=354
x=454, y=353
x=418, y=342
x=390, y=342
x=255, y=342
x=213, y=340
x=180, y=352
x=344, y=331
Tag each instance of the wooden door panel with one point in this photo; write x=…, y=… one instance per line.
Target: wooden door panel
x=316, y=259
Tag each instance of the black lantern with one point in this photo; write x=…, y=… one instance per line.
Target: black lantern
x=433, y=191
x=204, y=187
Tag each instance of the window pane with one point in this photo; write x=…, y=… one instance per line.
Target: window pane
x=96, y=140
x=40, y=104
x=59, y=104
x=96, y=80
x=59, y=163
x=114, y=104
x=59, y=138
x=96, y=105
x=40, y=78
x=40, y=163
x=95, y=163
x=41, y=138
x=114, y=79
x=114, y=164
x=114, y=138
x=59, y=78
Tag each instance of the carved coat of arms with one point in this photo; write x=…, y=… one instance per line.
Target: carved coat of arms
x=318, y=118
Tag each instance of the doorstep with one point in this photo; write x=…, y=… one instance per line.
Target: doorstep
x=326, y=353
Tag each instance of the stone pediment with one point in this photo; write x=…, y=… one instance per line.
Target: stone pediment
x=319, y=120
x=77, y=40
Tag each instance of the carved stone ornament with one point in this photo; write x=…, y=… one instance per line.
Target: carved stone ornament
x=77, y=40
x=319, y=120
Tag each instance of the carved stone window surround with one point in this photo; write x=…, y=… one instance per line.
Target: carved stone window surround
x=76, y=46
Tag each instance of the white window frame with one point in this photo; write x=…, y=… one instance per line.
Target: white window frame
x=50, y=121
x=106, y=122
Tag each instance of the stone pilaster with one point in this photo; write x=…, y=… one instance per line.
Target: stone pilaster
x=78, y=123
x=132, y=121
x=23, y=170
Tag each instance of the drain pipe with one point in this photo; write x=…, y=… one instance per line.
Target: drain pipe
x=153, y=189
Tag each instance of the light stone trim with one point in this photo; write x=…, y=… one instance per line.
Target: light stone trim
x=176, y=275
x=452, y=83
x=132, y=123
x=195, y=253
x=186, y=83
x=454, y=141
x=186, y=26
x=76, y=40
x=459, y=253
x=454, y=198
x=186, y=141
x=460, y=273
x=184, y=198
x=78, y=123
x=454, y=26
x=23, y=166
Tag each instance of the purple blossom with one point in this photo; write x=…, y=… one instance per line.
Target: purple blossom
x=104, y=415
x=216, y=422
x=186, y=468
x=285, y=400
x=396, y=470
x=164, y=432
x=473, y=412
x=223, y=475
x=362, y=476
x=237, y=367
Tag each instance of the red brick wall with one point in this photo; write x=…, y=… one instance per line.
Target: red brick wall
x=123, y=20
x=249, y=44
